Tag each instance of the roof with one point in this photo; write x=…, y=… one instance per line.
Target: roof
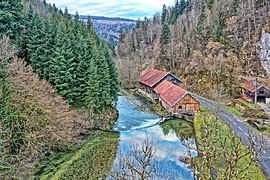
x=152, y=77
x=169, y=92
x=250, y=85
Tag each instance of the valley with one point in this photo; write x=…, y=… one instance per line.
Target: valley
x=183, y=94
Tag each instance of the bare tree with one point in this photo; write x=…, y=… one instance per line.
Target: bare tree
x=138, y=163
x=216, y=151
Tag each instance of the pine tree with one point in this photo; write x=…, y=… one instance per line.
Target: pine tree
x=105, y=86
x=62, y=66
x=89, y=24
x=200, y=24
x=138, y=24
x=217, y=29
x=11, y=18
x=93, y=93
x=114, y=83
x=66, y=14
x=210, y=3
x=164, y=14
x=51, y=31
x=36, y=46
x=234, y=7
x=61, y=49
x=165, y=37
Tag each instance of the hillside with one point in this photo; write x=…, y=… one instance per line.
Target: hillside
x=208, y=43
x=109, y=28
x=58, y=83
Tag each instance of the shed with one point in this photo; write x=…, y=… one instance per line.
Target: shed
x=175, y=99
x=248, y=89
x=153, y=77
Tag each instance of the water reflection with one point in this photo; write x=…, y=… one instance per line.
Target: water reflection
x=167, y=139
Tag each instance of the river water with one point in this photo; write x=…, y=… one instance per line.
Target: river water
x=135, y=124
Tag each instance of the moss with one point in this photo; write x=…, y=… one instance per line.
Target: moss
x=93, y=160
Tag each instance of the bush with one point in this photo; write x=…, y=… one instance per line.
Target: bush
x=262, y=115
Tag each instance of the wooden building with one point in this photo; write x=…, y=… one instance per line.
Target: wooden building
x=175, y=99
x=153, y=77
x=248, y=89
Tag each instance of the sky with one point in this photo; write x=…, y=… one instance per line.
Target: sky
x=132, y=9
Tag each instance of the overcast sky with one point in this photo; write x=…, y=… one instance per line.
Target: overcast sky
x=133, y=9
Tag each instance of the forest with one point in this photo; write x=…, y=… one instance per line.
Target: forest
x=57, y=77
x=198, y=39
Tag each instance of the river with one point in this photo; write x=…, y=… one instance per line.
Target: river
x=134, y=124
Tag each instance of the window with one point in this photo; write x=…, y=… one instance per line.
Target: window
x=261, y=92
x=180, y=107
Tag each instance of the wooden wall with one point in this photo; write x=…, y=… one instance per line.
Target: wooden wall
x=188, y=103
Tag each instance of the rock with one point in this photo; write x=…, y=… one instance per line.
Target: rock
x=264, y=52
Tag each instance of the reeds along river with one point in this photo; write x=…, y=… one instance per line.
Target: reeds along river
x=135, y=124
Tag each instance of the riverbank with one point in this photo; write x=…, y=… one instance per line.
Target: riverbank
x=146, y=103
x=221, y=153
x=95, y=143
x=93, y=159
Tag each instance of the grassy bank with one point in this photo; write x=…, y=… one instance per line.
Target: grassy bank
x=182, y=128
x=234, y=111
x=91, y=161
x=217, y=142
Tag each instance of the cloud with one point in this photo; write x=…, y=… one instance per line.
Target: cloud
x=133, y=9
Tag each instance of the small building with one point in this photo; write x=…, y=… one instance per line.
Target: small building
x=153, y=77
x=248, y=89
x=175, y=99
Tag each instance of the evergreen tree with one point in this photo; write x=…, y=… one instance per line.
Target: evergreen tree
x=165, y=39
x=89, y=24
x=11, y=12
x=138, y=24
x=93, y=93
x=66, y=52
x=201, y=21
x=63, y=66
x=165, y=36
x=217, y=29
x=105, y=85
x=25, y=34
x=114, y=83
x=66, y=14
x=210, y=3
x=36, y=46
x=234, y=7
x=164, y=14
x=46, y=58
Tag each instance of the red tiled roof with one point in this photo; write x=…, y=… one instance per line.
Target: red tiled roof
x=169, y=92
x=152, y=77
x=250, y=85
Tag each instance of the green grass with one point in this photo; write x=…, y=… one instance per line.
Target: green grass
x=234, y=111
x=223, y=132
x=250, y=105
x=93, y=160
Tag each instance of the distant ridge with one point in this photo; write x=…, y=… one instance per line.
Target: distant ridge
x=107, y=18
x=110, y=28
